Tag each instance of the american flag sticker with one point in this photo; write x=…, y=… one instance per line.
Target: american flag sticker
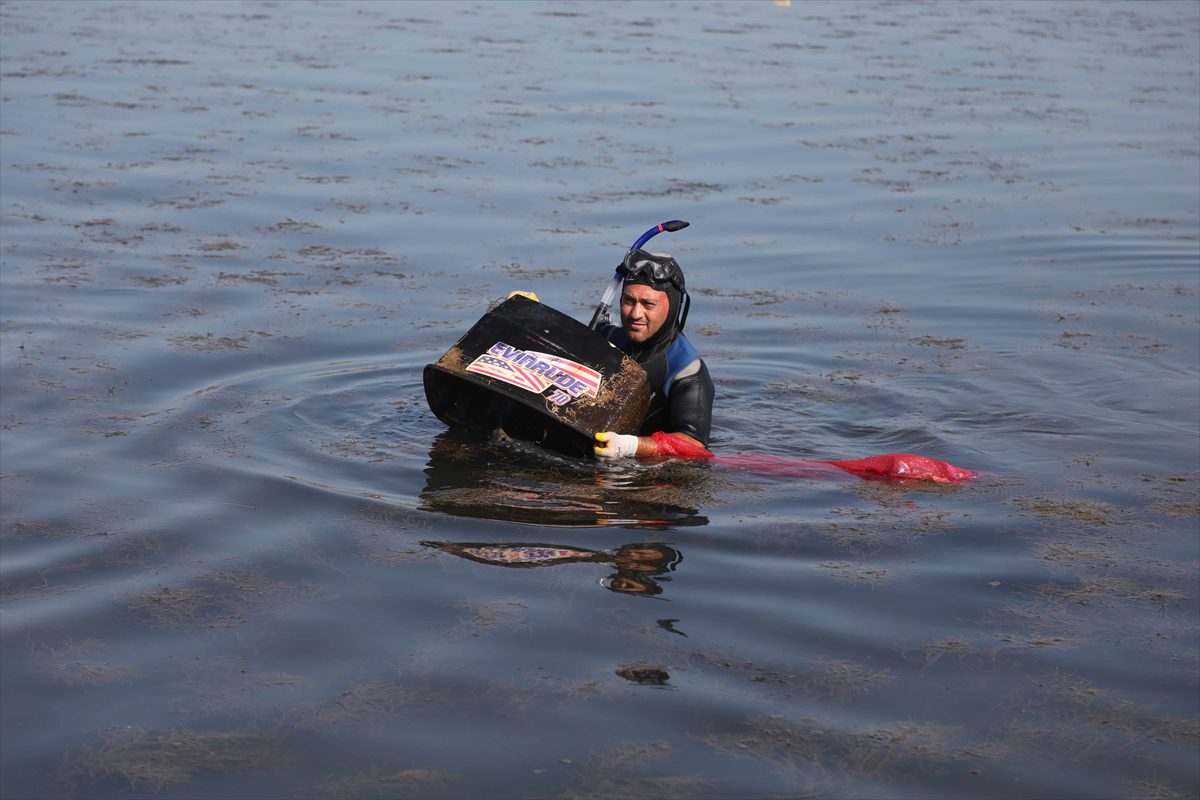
x=537, y=372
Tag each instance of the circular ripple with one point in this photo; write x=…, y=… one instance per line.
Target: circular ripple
x=364, y=429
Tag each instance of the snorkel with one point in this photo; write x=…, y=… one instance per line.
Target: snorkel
x=614, y=286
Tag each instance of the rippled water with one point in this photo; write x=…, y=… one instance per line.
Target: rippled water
x=241, y=558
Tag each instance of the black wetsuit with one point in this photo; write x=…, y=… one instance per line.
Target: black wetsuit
x=682, y=389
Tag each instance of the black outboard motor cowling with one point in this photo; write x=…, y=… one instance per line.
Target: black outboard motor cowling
x=540, y=376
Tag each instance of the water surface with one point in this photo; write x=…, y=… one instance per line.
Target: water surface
x=241, y=558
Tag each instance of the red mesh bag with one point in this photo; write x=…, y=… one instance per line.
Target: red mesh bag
x=890, y=466
x=779, y=466
x=675, y=447
x=905, y=467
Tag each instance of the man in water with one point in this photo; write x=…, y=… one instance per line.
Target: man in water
x=654, y=306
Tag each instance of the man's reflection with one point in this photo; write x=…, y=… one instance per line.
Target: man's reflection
x=639, y=567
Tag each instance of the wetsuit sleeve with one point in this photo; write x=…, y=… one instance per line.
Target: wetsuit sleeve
x=690, y=405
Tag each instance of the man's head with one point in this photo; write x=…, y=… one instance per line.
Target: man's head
x=652, y=296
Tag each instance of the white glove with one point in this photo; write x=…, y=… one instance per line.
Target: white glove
x=612, y=446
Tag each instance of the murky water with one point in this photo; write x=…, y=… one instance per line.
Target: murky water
x=242, y=559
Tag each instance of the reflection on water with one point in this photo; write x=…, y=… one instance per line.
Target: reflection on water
x=514, y=481
x=640, y=567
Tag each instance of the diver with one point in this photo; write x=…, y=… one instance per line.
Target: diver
x=654, y=307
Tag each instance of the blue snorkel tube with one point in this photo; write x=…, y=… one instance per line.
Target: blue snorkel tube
x=610, y=292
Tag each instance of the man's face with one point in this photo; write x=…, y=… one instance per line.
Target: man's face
x=643, y=311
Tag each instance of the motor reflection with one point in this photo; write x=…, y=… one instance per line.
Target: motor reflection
x=640, y=568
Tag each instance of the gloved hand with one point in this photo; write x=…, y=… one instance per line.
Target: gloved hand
x=611, y=446
x=530, y=295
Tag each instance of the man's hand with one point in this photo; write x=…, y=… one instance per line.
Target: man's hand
x=611, y=446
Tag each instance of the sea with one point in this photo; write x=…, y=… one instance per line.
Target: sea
x=241, y=558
